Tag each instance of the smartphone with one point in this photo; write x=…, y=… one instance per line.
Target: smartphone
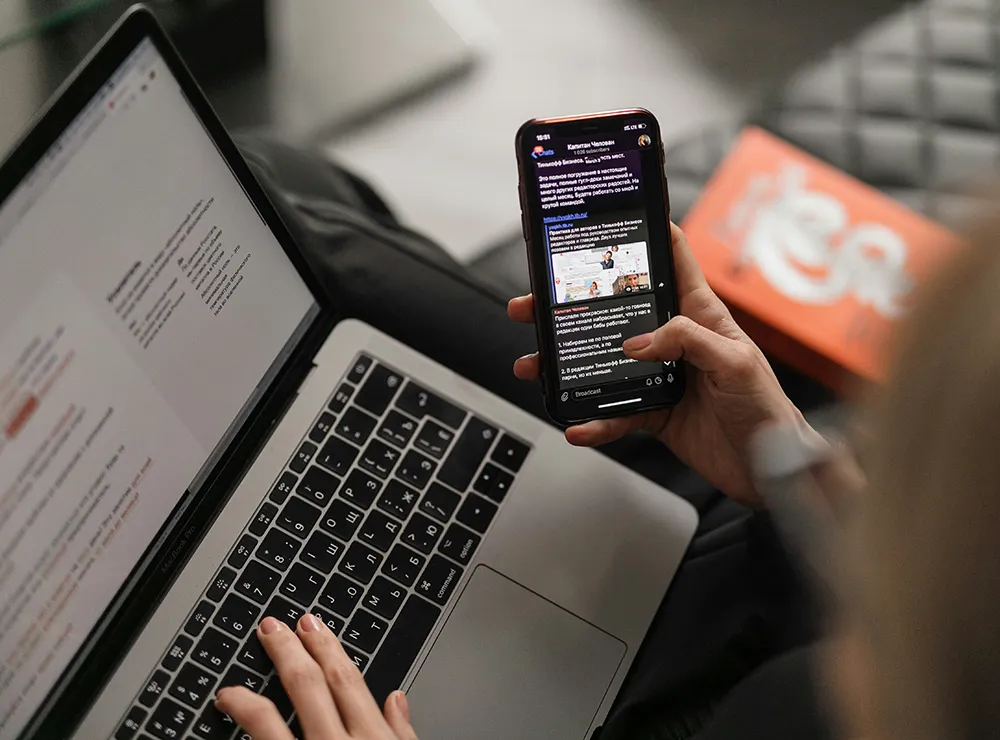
x=595, y=216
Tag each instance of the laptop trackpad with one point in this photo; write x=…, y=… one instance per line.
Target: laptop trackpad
x=510, y=664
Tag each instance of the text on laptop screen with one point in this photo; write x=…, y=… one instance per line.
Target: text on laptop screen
x=144, y=305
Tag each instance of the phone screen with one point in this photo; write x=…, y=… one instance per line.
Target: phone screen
x=598, y=230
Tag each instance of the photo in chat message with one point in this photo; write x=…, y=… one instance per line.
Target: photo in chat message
x=586, y=274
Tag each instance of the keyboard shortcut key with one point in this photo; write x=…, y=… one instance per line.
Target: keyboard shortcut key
x=341, y=397
x=298, y=517
x=341, y=595
x=341, y=520
x=440, y=502
x=318, y=486
x=403, y=565
x=459, y=543
x=467, y=454
x=422, y=533
x=434, y=439
x=192, y=685
x=405, y=639
x=303, y=457
x=237, y=616
x=170, y=720
x=493, y=482
x=214, y=650
x=476, y=512
x=359, y=369
x=360, y=562
x=129, y=728
x=301, y=584
x=214, y=725
x=321, y=429
x=439, y=579
x=398, y=499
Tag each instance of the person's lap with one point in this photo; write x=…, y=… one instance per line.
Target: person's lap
x=733, y=600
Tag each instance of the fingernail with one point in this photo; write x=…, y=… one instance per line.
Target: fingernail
x=269, y=626
x=403, y=705
x=309, y=623
x=634, y=344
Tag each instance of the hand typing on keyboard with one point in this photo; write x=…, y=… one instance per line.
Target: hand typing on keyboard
x=731, y=388
x=327, y=690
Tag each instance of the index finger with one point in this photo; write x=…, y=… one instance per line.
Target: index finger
x=522, y=309
x=687, y=271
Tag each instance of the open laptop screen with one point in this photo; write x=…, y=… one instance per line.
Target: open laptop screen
x=143, y=306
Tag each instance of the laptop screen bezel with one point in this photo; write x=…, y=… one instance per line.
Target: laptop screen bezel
x=138, y=598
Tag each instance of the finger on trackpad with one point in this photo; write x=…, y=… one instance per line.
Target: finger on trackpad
x=509, y=662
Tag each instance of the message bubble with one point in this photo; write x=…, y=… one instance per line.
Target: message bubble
x=589, y=341
x=569, y=183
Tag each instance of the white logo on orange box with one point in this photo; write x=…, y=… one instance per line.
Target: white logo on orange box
x=803, y=243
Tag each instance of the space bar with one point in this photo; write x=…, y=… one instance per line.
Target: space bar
x=394, y=658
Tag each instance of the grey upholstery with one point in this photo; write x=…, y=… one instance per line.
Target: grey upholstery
x=911, y=107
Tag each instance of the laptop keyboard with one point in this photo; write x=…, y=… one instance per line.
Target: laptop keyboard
x=369, y=527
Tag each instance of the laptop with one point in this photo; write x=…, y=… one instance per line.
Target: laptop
x=189, y=442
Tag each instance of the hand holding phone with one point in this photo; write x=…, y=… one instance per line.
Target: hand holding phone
x=596, y=223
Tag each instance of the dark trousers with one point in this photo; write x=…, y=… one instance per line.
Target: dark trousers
x=735, y=604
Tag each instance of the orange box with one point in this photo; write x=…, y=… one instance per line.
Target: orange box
x=816, y=265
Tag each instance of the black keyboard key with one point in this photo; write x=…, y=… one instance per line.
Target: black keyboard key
x=493, y=482
x=403, y=565
x=384, y=598
x=341, y=520
x=360, y=562
x=214, y=650
x=223, y=580
x=400, y=647
x=476, y=512
x=365, y=631
x=360, y=488
x=254, y=657
x=419, y=402
x=422, y=533
x=378, y=390
x=257, y=582
x=301, y=584
x=341, y=595
x=294, y=728
x=214, y=725
x=331, y=620
x=459, y=543
x=192, y=685
x=197, y=621
x=379, y=459
x=439, y=579
x=357, y=657
x=298, y=517
x=132, y=724
x=237, y=616
x=170, y=720
x=416, y=469
x=341, y=397
x=277, y=549
x=337, y=456
x=357, y=372
x=276, y=693
x=434, y=439
x=379, y=531
x=177, y=653
x=155, y=686
x=240, y=676
x=397, y=428
x=283, y=488
x=321, y=429
x=303, y=457
x=322, y=552
x=318, y=486
x=284, y=611
x=470, y=449
x=440, y=502
x=356, y=426
x=398, y=499
x=263, y=519
x=510, y=453
x=238, y=558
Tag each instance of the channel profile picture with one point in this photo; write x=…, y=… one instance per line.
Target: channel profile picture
x=644, y=140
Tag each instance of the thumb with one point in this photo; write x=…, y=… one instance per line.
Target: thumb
x=397, y=715
x=683, y=339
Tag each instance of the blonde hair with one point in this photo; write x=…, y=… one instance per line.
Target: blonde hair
x=928, y=537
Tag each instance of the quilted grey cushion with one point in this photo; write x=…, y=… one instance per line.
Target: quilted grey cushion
x=911, y=107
